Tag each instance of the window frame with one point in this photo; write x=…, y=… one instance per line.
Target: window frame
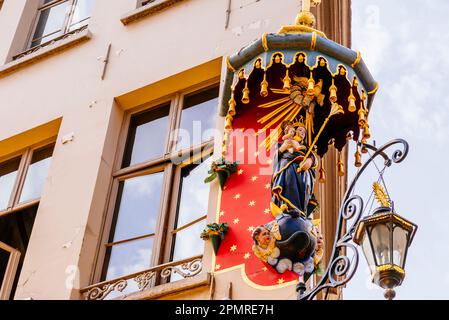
x=7, y=283
x=163, y=244
x=64, y=28
x=26, y=156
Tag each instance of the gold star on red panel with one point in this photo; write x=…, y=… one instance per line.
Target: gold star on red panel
x=236, y=221
x=251, y=229
x=222, y=213
x=233, y=248
x=237, y=196
x=252, y=203
x=240, y=172
x=217, y=267
x=253, y=178
x=246, y=256
x=267, y=186
x=266, y=211
x=281, y=281
x=265, y=269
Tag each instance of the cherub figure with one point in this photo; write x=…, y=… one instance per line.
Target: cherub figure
x=294, y=139
x=265, y=246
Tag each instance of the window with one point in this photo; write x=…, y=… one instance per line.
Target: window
x=22, y=178
x=161, y=199
x=21, y=182
x=58, y=17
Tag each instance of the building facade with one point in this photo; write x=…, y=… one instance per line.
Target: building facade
x=92, y=188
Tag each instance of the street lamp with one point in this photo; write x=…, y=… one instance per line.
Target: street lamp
x=385, y=237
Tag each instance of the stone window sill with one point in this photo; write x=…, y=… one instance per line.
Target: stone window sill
x=147, y=10
x=203, y=279
x=32, y=56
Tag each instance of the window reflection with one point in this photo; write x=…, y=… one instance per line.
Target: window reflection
x=8, y=176
x=147, y=136
x=129, y=257
x=194, y=193
x=50, y=24
x=81, y=14
x=138, y=206
x=36, y=174
x=193, y=203
x=61, y=17
x=198, y=119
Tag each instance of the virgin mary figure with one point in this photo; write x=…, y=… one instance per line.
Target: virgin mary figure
x=292, y=189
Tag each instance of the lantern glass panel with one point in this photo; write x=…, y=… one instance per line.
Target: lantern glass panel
x=380, y=237
x=399, y=245
x=368, y=252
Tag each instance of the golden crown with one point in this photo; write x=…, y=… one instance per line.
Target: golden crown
x=299, y=122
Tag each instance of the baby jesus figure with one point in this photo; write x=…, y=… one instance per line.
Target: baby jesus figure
x=293, y=138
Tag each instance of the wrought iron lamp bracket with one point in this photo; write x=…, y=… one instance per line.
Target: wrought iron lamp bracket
x=340, y=268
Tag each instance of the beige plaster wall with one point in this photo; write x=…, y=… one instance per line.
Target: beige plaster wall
x=67, y=86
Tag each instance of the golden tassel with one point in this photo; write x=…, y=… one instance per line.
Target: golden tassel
x=358, y=157
x=366, y=132
x=311, y=87
x=264, y=86
x=333, y=92
x=364, y=148
x=362, y=116
x=228, y=125
x=287, y=81
x=363, y=96
x=321, y=173
x=232, y=105
x=245, y=98
x=341, y=166
x=351, y=99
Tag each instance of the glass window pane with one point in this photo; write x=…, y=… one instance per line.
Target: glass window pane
x=81, y=14
x=129, y=257
x=138, y=206
x=194, y=193
x=399, y=245
x=51, y=22
x=380, y=237
x=368, y=252
x=8, y=175
x=36, y=174
x=147, y=136
x=198, y=119
x=188, y=242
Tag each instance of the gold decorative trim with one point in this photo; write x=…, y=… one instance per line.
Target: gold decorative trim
x=357, y=60
x=251, y=283
x=230, y=67
x=386, y=267
x=300, y=29
x=374, y=90
x=313, y=41
x=265, y=42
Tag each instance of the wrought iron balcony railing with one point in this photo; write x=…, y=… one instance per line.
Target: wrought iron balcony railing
x=186, y=268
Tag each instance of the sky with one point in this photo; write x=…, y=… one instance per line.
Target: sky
x=405, y=45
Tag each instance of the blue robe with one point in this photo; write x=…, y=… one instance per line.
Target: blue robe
x=290, y=187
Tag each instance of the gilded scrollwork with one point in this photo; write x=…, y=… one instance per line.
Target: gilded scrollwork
x=143, y=280
x=186, y=270
x=99, y=293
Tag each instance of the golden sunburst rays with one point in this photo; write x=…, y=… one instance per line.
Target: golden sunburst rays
x=274, y=103
x=287, y=111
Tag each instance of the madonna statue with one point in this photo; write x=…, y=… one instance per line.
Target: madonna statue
x=292, y=189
